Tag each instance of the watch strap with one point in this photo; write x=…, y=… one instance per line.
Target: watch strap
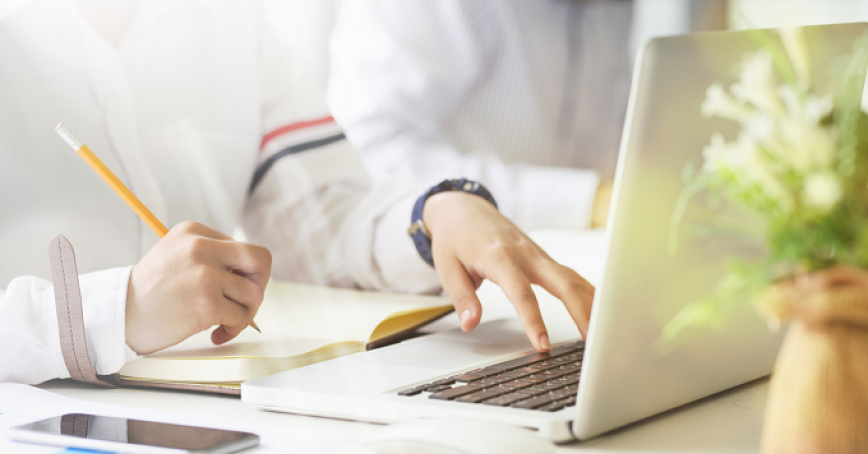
x=419, y=233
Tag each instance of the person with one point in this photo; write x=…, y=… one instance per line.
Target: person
x=528, y=98
x=213, y=125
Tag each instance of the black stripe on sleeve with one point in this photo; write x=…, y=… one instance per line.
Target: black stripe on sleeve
x=263, y=168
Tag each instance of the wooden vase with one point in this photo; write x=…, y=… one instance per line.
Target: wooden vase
x=818, y=400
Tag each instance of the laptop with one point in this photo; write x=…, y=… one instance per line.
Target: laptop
x=622, y=372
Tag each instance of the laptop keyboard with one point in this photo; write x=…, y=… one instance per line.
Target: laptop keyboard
x=539, y=381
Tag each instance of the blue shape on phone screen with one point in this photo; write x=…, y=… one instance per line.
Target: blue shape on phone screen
x=83, y=451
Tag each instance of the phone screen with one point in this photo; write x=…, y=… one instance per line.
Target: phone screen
x=147, y=433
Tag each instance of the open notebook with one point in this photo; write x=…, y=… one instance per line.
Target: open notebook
x=301, y=325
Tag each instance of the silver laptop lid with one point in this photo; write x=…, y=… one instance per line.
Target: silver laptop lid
x=628, y=374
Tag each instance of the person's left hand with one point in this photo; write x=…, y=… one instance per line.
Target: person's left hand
x=471, y=241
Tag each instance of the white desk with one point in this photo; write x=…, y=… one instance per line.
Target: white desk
x=727, y=423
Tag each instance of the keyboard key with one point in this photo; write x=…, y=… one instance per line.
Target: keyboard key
x=533, y=402
x=436, y=389
x=529, y=359
x=554, y=406
x=519, y=362
x=492, y=381
x=481, y=372
x=562, y=392
x=566, y=380
x=412, y=391
x=445, y=381
x=568, y=402
x=516, y=384
x=515, y=373
x=531, y=391
x=577, y=345
x=572, y=368
x=506, y=399
x=465, y=378
x=477, y=397
x=457, y=391
x=548, y=386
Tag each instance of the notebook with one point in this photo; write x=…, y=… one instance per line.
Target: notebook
x=301, y=325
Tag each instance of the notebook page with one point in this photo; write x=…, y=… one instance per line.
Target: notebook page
x=299, y=318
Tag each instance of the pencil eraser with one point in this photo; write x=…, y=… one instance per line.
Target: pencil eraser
x=68, y=136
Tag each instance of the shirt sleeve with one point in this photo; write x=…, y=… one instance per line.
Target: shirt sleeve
x=311, y=201
x=31, y=350
x=400, y=69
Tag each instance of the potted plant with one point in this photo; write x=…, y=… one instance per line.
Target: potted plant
x=800, y=160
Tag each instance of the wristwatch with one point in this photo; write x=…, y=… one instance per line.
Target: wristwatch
x=417, y=231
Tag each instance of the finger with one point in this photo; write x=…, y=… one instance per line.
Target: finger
x=242, y=291
x=462, y=289
x=233, y=318
x=245, y=259
x=573, y=290
x=195, y=228
x=518, y=290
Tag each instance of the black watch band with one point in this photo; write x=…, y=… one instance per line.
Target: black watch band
x=417, y=231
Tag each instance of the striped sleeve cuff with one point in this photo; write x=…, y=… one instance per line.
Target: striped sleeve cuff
x=294, y=138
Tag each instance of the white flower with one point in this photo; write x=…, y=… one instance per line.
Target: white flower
x=719, y=103
x=744, y=159
x=720, y=155
x=757, y=84
x=815, y=109
x=809, y=147
x=822, y=191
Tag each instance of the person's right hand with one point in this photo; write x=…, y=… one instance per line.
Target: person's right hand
x=191, y=280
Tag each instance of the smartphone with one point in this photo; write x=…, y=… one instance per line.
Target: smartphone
x=121, y=435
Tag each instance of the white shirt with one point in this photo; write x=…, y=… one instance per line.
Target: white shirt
x=194, y=103
x=521, y=95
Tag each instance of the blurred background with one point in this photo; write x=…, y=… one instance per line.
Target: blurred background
x=528, y=98
x=306, y=25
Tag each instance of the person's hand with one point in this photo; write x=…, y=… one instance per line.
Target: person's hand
x=471, y=241
x=193, y=279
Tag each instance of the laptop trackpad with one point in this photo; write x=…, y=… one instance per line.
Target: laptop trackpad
x=449, y=351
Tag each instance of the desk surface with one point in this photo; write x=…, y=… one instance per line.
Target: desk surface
x=728, y=422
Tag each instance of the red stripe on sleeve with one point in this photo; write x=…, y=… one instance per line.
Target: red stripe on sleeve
x=293, y=127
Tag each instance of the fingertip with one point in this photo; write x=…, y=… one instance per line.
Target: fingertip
x=468, y=320
x=219, y=335
x=544, y=343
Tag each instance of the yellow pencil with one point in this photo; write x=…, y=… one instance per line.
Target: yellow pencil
x=116, y=184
